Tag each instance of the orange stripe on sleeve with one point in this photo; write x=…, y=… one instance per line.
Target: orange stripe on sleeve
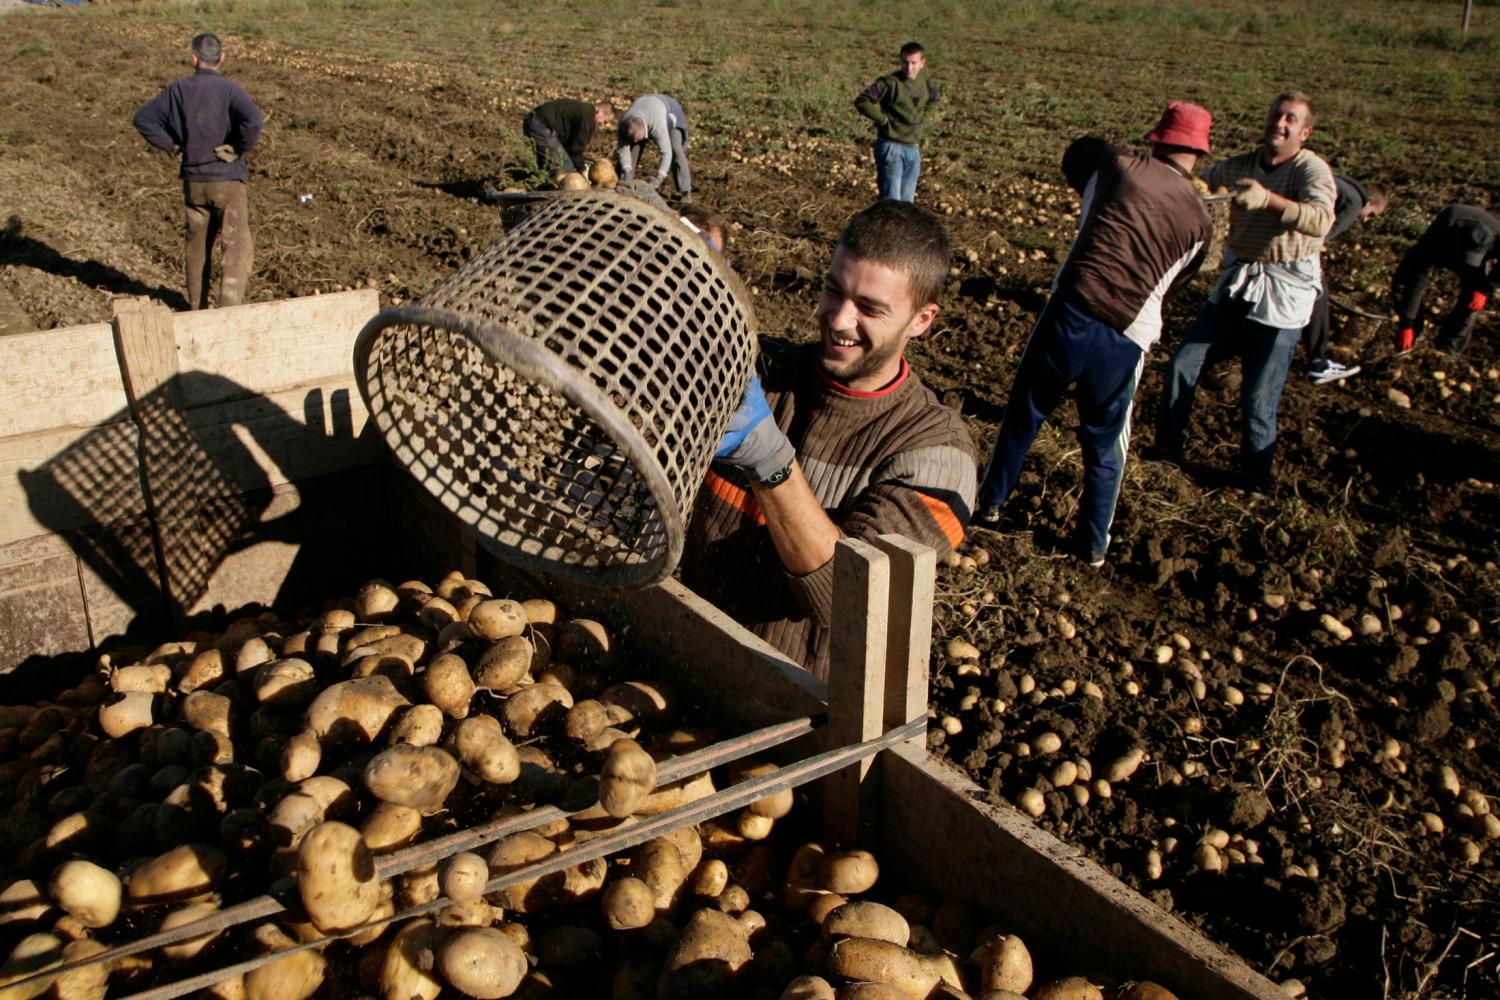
x=739, y=498
x=947, y=521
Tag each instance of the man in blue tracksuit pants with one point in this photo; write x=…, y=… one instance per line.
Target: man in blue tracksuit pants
x=1143, y=233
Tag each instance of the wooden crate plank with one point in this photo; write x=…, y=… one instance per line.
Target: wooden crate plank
x=938, y=833
x=66, y=478
x=908, y=629
x=41, y=602
x=856, y=682
x=59, y=378
x=267, y=346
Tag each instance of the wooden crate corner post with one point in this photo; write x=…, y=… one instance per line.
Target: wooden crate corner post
x=856, y=683
x=908, y=631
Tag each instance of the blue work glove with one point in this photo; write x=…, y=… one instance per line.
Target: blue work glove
x=752, y=442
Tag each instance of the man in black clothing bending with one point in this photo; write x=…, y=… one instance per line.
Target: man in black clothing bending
x=1466, y=241
x=1353, y=202
x=560, y=131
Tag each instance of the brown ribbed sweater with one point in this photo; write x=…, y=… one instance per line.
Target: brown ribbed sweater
x=896, y=461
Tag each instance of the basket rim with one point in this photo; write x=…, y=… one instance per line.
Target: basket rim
x=530, y=359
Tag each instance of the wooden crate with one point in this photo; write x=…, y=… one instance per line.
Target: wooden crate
x=163, y=465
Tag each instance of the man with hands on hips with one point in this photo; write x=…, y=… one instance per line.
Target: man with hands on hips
x=834, y=438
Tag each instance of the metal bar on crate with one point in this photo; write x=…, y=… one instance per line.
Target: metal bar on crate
x=736, y=797
x=388, y=865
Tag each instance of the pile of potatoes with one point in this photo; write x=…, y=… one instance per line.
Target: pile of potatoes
x=179, y=781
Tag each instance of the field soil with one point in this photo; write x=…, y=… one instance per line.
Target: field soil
x=1274, y=715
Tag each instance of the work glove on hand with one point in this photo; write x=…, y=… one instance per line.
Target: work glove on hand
x=1251, y=194
x=752, y=442
x=226, y=153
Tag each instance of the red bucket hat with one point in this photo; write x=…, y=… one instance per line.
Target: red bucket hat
x=1185, y=125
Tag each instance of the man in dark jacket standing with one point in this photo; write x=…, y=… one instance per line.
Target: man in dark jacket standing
x=1465, y=240
x=211, y=122
x=1143, y=235
x=561, y=130
x=1353, y=202
x=897, y=104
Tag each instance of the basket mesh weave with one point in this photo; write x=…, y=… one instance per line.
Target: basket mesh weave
x=564, y=391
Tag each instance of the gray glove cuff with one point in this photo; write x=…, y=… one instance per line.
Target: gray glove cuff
x=764, y=451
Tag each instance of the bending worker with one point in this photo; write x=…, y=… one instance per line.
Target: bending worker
x=659, y=119
x=1466, y=241
x=1142, y=235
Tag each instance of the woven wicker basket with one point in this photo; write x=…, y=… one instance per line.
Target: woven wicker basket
x=564, y=391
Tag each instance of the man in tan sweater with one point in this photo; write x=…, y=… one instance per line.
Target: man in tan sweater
x=835, y=437
x=1283, y=206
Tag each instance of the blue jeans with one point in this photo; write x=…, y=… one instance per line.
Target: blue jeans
x=1222, y=331
x=897, y=167
x=1069, y=346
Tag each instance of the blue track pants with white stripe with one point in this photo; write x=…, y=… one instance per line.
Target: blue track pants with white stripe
x=1068, y=347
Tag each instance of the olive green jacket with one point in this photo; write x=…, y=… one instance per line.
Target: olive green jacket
x=898, y=106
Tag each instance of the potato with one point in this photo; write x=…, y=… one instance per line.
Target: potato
x=867, y=919
x=207, y=710
x=252, y=653
x=503, y=665
x=626, y=778
x=658, y=863
x=376, y=601
x=705, y=958
x=288, y=683
x=809, y=988
x=447, y=684
x=536, y=709
x=32, y=953
x=773, y=806
x=295, y=977
x=481, y=962
x=871, y=991
x=390, y=826
x=645, y=701
x=474, y=913
x=752, y=826
x=407, y=971
x=1003, y=961
x=420, y=725
x=540, y=611
x=418, y=887
x=186, y=951
x=419, y=777
x=709, y=878
x=89, y=893
x=1144, y=991
x=292, y=817
x=628, y=904
x=152, y=678
x=583, y=642
x=497, y=619
x=354, y=711
x=336, y=877
x=332, y=793
x=87, y=982
x=81, y=833
x=127, y=713
x=850, y=872
x=301, y=756
x=204, y=670
x=480, y=745
x=586, y=720
x=822, y=904
x=1068, y=988
x=517, y=851
x=463, y=876
x=863, y=959
x=178, y=875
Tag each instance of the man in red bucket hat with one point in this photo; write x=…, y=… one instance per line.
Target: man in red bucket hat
x=1143, y=233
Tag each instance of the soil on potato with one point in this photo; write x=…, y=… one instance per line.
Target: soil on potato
x=1311, y=762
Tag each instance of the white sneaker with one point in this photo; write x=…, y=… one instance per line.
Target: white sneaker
x=1331, y=371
